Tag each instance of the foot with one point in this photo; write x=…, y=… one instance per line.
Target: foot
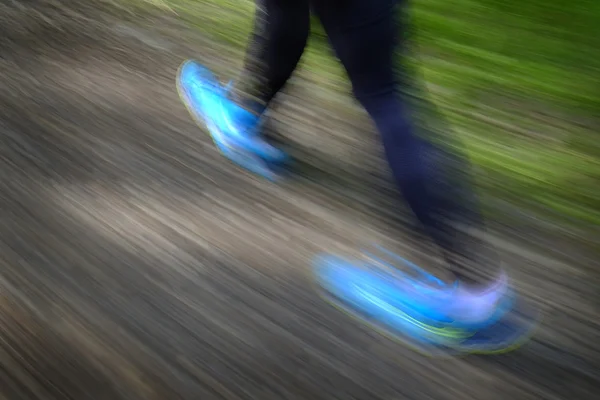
x=234, y=130
x=422, y=309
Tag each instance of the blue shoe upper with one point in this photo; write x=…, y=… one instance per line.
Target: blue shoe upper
x=231, y=126
x=417, y=312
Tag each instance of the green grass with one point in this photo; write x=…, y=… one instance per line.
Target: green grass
x=520, y=82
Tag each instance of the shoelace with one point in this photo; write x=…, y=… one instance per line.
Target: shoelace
x=427, y=281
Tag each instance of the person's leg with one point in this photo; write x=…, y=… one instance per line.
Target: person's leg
x=365, y=36
x=281, y=29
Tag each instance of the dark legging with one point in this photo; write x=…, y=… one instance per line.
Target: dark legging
x=364, y=35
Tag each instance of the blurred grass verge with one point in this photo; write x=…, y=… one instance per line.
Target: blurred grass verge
x=519, y=81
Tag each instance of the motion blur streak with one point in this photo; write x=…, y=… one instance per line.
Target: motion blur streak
x=136, y=263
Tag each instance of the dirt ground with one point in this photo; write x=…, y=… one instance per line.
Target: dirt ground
x=137, y=263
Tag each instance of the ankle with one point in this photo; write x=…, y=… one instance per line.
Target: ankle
x=248, y=103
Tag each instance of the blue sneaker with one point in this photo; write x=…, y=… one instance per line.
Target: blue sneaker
x=234, y=130
x=424, y=312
